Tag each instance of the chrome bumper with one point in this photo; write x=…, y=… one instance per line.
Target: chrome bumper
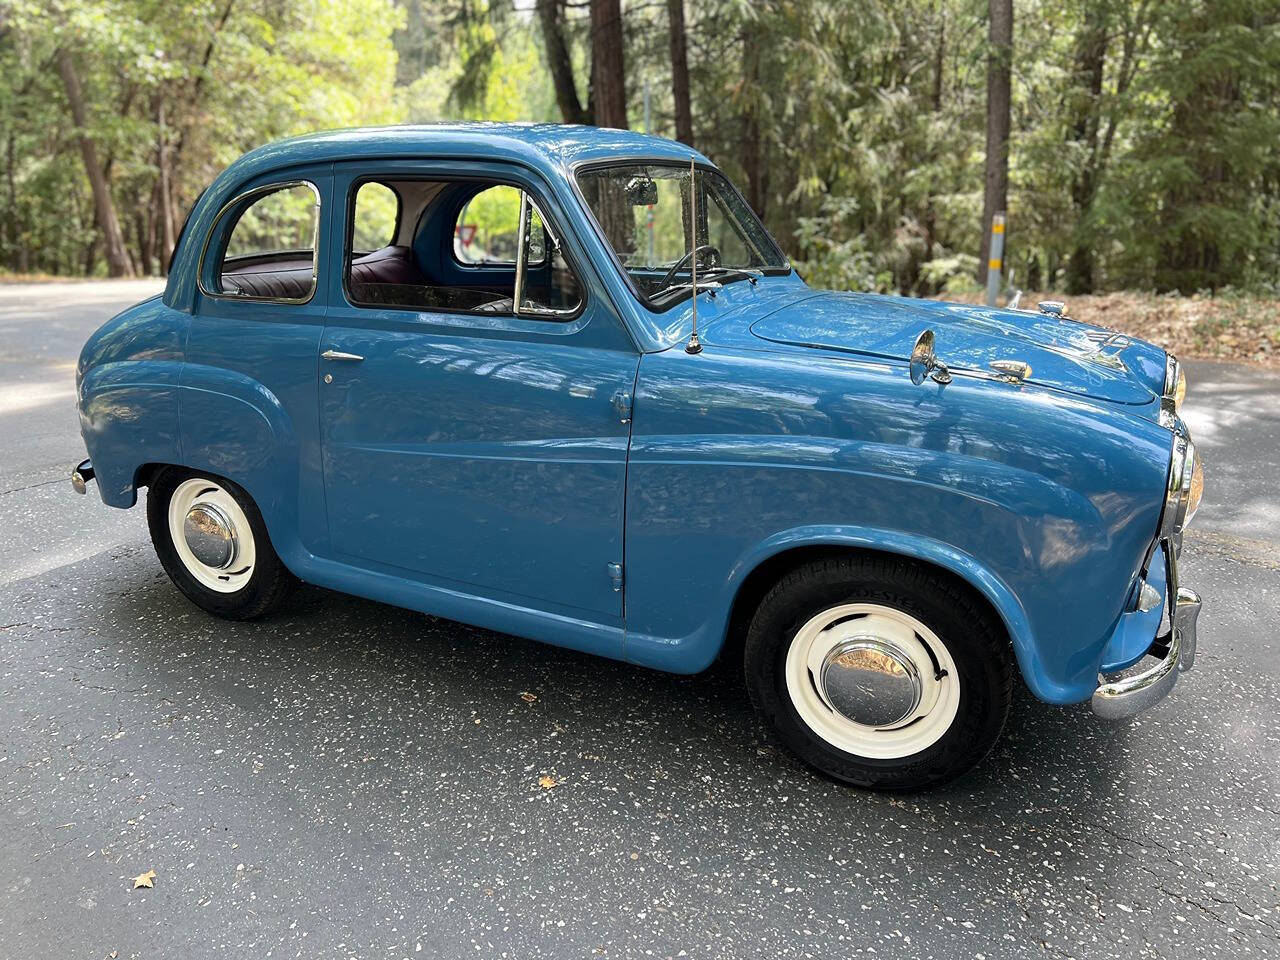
x=1115, y=700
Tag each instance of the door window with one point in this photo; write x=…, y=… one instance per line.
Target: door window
x=474, y=249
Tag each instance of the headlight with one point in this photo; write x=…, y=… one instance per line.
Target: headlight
x=1186, y=487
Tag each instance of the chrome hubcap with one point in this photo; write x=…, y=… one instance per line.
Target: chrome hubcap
x=869, y=681
x=210, y=535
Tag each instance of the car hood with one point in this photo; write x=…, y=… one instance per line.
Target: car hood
x=1063, y=354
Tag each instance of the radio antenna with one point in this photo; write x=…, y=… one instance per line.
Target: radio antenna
x=694, y=345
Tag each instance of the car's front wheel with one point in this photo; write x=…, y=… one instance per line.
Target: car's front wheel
x=211, y=540
x=880, y=672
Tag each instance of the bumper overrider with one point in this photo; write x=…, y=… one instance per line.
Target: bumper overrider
x=1176, y=648
x=1117, y=699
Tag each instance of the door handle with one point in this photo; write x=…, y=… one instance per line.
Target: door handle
x=339, y=355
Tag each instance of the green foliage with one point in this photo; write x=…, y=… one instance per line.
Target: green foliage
x=1142, y=156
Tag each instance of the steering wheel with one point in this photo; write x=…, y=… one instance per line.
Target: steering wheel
x=687, y=258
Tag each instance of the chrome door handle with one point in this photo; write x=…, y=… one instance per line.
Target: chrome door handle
x=339, y=355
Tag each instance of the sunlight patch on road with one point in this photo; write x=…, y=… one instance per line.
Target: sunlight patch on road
x=26, y=396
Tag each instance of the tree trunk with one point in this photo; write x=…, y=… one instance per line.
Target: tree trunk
x=11, y=231
x=608, y=74
x=995, y=194
x=753, y=152
x=680, y=72
x=560, y=63
x=118, y=264
x=142, y=230
x=165, y=188
x=930, y=209
x=1091, y=53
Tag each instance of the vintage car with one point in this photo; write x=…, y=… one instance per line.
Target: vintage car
x=561, y=382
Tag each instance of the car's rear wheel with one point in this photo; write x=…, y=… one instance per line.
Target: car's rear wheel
x=212, y=542
x=879, y=671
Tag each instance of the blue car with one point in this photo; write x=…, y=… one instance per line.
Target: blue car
x=562, y=383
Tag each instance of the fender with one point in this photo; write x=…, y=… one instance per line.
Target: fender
x=697, y=651
x=129, y=417
x=235, y=427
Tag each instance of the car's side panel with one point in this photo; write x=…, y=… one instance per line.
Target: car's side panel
x=1040, y=501
x=127, y=383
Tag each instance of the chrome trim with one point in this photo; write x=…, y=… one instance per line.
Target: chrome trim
x=1168, y=400
x=1118, y=699
x=869, y=681
x=81, y=477
x=1182, y=461
x=1186, y=617
x=522, y=235
x=339, y=355
x=1011, y=371
x=217, y=221
x=925, y=363
x=210, y=535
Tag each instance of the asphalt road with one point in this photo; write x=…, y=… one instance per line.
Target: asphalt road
x=348, y=779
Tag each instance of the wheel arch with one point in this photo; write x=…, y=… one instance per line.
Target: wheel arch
x=757, y=573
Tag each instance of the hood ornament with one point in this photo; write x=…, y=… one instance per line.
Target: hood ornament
x=925, y=363
x=1054, y=308
x=1011, y=371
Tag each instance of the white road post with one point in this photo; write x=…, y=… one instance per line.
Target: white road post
x=995, y=264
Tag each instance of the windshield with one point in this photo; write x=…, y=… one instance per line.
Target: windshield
x=643, y=211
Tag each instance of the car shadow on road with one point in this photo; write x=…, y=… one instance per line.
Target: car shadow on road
x=586, y=716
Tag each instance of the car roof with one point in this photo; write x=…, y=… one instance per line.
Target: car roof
x=540, y=145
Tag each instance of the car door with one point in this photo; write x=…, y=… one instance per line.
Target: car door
x=479, y=451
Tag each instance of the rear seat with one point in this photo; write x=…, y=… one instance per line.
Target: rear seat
x=391, y=265
x=387, y=276
x=292, y=284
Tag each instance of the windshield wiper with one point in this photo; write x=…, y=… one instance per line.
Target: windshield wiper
x=752, y=275
x=704, y=286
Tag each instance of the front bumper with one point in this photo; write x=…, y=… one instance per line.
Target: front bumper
x=1124, y=697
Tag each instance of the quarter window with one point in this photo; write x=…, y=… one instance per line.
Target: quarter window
x=377, y=216
x=271, y=250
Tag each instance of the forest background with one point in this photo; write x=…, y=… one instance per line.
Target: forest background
x=1132, y=143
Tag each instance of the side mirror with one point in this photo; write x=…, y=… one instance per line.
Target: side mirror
x=925, y=363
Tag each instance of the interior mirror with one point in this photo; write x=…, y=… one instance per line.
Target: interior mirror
x=642, y=192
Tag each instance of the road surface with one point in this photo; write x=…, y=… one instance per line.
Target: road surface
x=352, y=780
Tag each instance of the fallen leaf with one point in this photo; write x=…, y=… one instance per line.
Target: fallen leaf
x=144, y=880
x=548, y=783
x=528, y=697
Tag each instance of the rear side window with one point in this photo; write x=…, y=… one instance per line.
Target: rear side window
x=270, y=252
x=376, y=219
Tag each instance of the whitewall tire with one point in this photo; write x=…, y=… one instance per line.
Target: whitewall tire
x=879, y=671
x=212, y=542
